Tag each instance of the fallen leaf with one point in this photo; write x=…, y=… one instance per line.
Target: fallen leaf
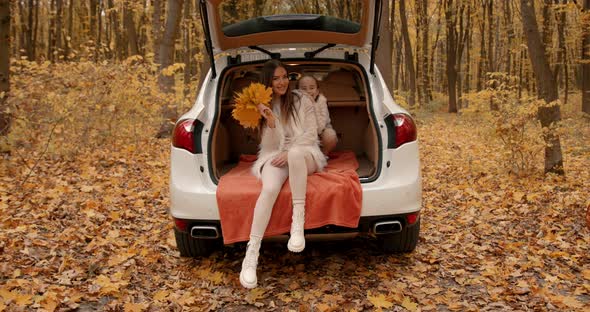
x=380, y=301
x=135, y=307
x=161, y=295
x=409, y=304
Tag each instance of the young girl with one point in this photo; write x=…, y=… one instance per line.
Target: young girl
x=289, y=147
x=328, y=138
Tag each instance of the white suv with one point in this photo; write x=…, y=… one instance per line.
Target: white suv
x=337, y=49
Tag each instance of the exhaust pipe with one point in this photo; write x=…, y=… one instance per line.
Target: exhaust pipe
x=204, y=232
x=387, y=227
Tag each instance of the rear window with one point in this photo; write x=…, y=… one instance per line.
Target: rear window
x=240, y=18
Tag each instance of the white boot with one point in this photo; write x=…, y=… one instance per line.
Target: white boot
x=248, y=274
x=297, y=240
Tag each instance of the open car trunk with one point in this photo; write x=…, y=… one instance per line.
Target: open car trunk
x=343, y=85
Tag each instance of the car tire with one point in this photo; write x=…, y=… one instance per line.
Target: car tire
x=194, y=247
x=404, y=241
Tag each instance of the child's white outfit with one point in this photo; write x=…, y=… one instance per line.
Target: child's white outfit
x=325, y=130
x=322, y=114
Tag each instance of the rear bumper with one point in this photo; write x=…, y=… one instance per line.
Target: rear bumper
x=366, y=226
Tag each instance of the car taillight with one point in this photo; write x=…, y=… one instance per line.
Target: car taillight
x=187, y=135
x=413, y=217
x=401, y=129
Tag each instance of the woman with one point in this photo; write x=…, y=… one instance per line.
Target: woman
x=289, y=147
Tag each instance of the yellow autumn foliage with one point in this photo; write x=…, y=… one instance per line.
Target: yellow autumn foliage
x=245, y=108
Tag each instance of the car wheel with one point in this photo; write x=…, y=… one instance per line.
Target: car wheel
x=404, y=241
x=195, y=247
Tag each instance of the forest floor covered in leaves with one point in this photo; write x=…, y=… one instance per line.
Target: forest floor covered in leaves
x=93, y=232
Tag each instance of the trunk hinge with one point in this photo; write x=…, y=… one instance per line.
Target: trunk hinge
x=208, y=44
x=375, y=41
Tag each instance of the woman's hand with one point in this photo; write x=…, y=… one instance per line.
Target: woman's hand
x=267, y=114
x=280, y=160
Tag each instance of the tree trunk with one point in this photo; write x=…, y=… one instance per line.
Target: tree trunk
x=408, y=52
x=425, y=64
x=68, y=40
x=468, y=41
x=115, y=26
x=29, y=40
x=418, y=50
x=546, y=88
x=187, y=46
x=561, y=76
x=166, y=83
x=398, y=63
x=51, y=32
x=481, y=66
x=93, y=15
x=98, y=47
x=510, y=34
x=130, y=29
x=5, y=117
x=35, y=31
x=58, y=29
x=383, y=53
x=19, y=29
x=490, y=52
x=451, y=20
x=157, y=28
x=586, y=64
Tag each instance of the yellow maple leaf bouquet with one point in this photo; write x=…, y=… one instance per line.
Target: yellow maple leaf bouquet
x=246, y=110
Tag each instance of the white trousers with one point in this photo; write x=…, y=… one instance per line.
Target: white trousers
x=299, y=165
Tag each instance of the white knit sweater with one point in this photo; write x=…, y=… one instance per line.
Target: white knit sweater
x=300, y=131
x=321, y=113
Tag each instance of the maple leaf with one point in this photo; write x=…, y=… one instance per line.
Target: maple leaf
x=108, y=286
x=409, y=304
x=121, y=257
x=135, y=307
x=161, y=295
x=246, y=104
x=255, y=294
x=380, y=301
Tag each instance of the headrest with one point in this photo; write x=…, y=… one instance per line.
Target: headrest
x=239, y=84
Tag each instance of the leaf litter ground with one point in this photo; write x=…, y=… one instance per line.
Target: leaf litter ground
x=93, y=233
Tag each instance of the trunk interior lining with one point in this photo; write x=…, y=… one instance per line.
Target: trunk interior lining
x=344, y=87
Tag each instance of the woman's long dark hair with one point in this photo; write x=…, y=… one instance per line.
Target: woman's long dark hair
x=268, y=70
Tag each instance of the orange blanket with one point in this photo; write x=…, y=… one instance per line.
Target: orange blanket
x=334, y=196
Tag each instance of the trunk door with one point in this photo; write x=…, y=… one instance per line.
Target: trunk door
x=232, y=24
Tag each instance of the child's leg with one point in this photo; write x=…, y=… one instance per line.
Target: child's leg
x=301, y=164
x=329, y=139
